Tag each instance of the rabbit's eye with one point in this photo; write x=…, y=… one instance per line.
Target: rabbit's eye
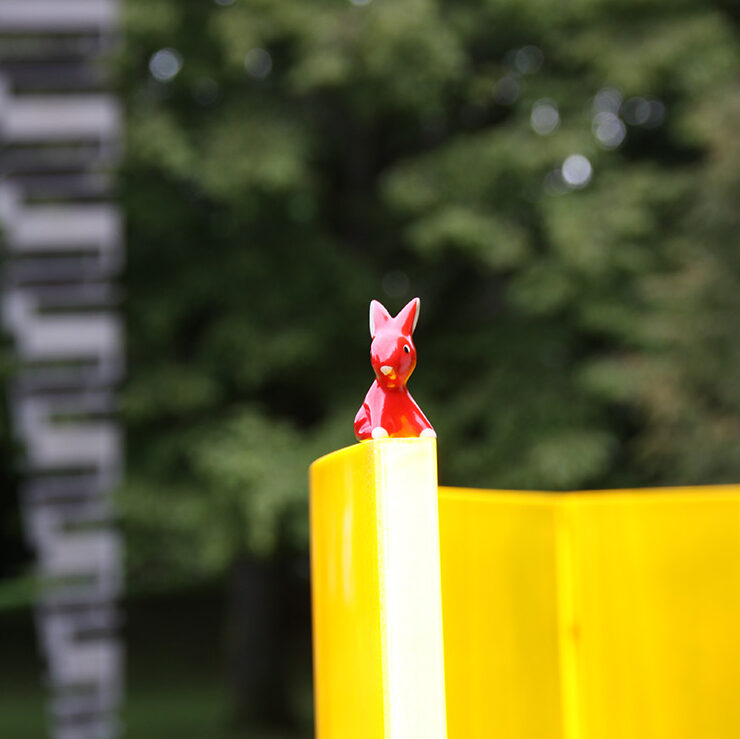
x=406, y=349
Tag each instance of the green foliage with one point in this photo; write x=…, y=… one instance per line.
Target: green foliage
x=310, y=156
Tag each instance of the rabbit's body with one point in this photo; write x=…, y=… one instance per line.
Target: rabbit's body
x=389, y=409
x=394, y=410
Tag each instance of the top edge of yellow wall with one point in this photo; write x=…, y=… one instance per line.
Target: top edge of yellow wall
x=683, y=493
x=535, y=497
x=371, y=445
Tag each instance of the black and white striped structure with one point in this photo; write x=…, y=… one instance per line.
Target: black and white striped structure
x=61, y=233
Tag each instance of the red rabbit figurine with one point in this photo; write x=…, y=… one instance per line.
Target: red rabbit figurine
x=389, y=409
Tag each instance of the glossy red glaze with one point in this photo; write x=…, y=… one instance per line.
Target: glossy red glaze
x=389, y=409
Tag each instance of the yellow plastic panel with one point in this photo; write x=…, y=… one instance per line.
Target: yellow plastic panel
x=378, y=656
x=605, y=615
x=656, y=609
x=500, y=615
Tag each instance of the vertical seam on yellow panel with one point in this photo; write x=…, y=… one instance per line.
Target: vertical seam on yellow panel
x=567, y=618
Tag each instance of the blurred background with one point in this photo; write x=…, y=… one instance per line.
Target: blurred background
x=558, y=182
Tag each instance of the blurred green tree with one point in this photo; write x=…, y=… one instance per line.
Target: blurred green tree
x=557, y=181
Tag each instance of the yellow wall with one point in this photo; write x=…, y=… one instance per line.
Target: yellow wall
x=346, y=601
x=500, y=615
x=607, y=615
x=610, y=615
x=375, y=575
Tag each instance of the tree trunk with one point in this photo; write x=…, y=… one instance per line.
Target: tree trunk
x=269, y=641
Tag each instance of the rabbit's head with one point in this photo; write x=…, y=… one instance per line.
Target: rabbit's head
x=392, y=352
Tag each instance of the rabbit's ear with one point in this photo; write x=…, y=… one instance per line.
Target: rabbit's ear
x=378, y=317
x=409, y=316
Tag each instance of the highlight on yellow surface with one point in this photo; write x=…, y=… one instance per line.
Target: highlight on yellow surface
x=376, y=589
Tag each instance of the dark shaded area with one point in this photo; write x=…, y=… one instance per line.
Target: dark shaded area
x=177, y=684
